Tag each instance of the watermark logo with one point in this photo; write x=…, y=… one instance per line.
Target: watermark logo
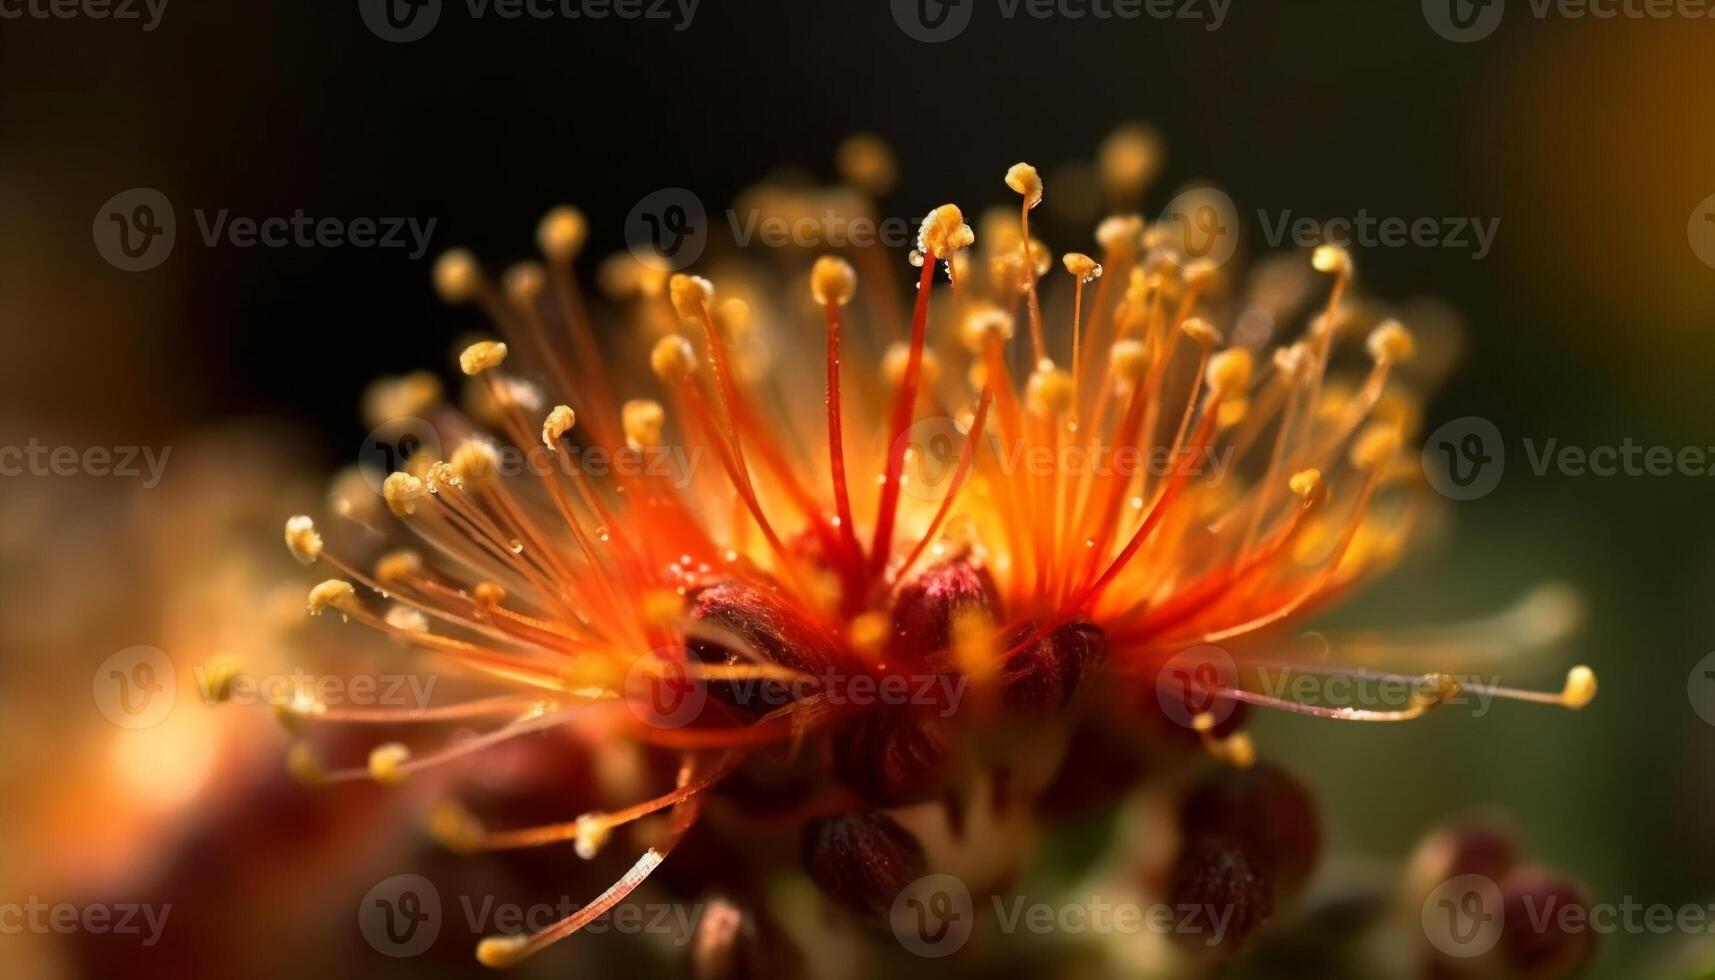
x=933, y=916
x=36, y=459
x=1464, y=21
x=390, y=447
x=1700, y=231
x=136, y=687
x=1369, y=231
x=400, y=21
x=932, y=21
x=937, y=448
x=134, y=229
x=1700, y=688
x=933, y=447
x=669, y=227
x=1464, y=459
x=65, y=919
x=147, y=11
x=1463, y=916
x=663, y=692
x=401, y=917
x=1202, y=224
x=1191, y=683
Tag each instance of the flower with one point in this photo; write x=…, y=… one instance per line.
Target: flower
x=878, y=559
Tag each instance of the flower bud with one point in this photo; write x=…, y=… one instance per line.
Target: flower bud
x=862, y=861
x=891, y=757
x=1215, y=880
x=928, y=603
x=1264, y=810
x=759, y=622
x=1538, y=949
x=1045, y=676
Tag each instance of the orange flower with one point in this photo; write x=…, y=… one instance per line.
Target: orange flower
x=725, y=562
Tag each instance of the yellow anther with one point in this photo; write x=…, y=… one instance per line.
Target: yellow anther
x=402, y=491
x=866, y=163
x=475, y=461
x=1082, y=267
x=500, y=952
x=1024, y=180
x=944, y=232
x=1129, y=359
x=559, y=422
x=1391, y=343
x=1119, y=234
x=985, y=325
x=1201, y=331
x=1229, y=372
x=387, y=763
x=1580, y=687
x=1128, y=159
x=302, y=539
x=691, y=295
x=561, y=233
x=1331, y=259
x=523, y=283
x=1306, y=482
x=1049, y=391
x=643, y=421
x=482, y=356
x=832, y=281
x=673, y=360
x=333, y=593
x=457, y=276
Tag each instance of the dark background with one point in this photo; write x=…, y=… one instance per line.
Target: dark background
x=1590, y=141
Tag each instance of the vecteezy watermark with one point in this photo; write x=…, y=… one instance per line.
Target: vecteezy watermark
x=402, y=917
x=402, y=21
x=136, y=687
x=1464, y=21
x=1202, y=224
x=122, y=462
x=1369, y=231
x=224, y=682
x=1700, y=231
x=1463, y=459
x=934, y=21
x=1463, y=916
x=135, y=230
x=147, y=11
x=1195, y=684
x=1466, y=916
x=63, y=918
x=668, y=228
x=936, y=453
x=934, y=917
x=665, y=692
x=1700, y=688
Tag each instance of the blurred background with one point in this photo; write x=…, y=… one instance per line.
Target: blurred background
x=1588, y=140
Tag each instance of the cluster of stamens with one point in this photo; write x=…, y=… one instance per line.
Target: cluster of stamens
x=873, y=521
